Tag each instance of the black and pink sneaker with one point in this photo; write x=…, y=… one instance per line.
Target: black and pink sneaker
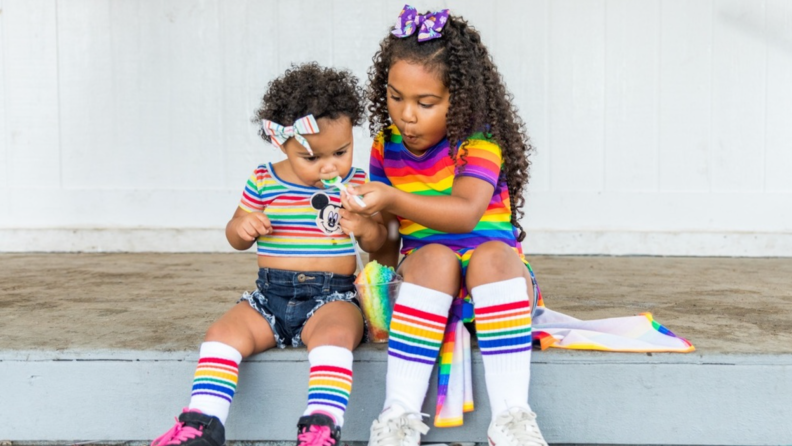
x=317, y=430
x=193, y=428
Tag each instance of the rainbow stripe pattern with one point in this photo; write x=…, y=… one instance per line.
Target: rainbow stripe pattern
x=216, y=377
x=504, y=328
x=280, y=134
x=433, y=174
x=415, y=335
x=377, y=287
x=288, y=206
x=329, y=386
x=630, y=334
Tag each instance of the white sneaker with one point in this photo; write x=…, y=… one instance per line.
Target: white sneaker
x=515, y=427
x=395, y=426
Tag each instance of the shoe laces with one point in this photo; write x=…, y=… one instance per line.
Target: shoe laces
x=316, y=436
x=178, y=434
x=520, y=427
x=399, y=431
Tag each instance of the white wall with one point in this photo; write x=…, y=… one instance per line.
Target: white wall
x=662, y=127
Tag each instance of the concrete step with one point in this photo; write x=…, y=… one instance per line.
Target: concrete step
x=103, y=348
x=581, y=397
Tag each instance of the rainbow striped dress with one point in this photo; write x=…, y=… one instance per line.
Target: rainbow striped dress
x=433, y=173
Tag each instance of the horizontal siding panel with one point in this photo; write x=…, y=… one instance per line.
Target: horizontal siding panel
x=738, y=95
x=778, y=162
x=631, y=83
x=31, y=93
x=577, y=94
x=647, y=115
x=685, y=96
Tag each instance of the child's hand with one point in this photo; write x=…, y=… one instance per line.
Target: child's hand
x=251, y=226
x=360, y=225
x=369, y=232
x=376, y=195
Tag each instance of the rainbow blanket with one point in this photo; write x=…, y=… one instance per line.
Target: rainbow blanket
x=639, y=333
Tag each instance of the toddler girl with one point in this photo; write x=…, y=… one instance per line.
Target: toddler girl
x=305, y=293
x=450, y=162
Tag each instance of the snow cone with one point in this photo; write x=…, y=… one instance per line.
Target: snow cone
x=377, y=286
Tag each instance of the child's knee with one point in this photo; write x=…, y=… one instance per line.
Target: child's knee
x=339, y=335
x=223, y=332
x=494, y=254
x=433, y=261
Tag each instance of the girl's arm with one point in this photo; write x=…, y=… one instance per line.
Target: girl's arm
x=388, y=254
x=245, y=227
x=369, y=231
x=457, y=213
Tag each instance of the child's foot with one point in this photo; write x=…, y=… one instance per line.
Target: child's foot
x=515, y=427
x=317, y=430
x=193, y=428
x=395, y=426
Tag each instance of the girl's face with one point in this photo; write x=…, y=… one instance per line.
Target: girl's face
x=332, y=153
x=417, y=103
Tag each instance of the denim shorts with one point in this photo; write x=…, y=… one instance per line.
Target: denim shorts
x=287, y=299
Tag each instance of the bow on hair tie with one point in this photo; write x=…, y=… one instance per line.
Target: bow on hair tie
x=428, y=26
x=280, y=134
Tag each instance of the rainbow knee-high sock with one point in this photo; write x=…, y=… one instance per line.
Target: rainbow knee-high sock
x=503, y=329
x=330, y=381
x=215, y=380
x=416, y=334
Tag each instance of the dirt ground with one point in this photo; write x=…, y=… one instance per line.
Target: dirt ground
x=165, y=302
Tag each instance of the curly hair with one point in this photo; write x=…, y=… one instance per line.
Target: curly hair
x=312, y=89
x=479, y=100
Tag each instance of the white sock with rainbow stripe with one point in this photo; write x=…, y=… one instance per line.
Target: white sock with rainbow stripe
x=330, y=381
x=416, y=335
x=503, y=329
x=215, y=379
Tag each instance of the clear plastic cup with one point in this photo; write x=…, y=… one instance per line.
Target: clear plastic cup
x=377, y=300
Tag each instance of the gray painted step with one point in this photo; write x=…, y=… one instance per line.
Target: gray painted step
x=581, y=397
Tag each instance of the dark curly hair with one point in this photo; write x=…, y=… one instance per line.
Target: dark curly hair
x=311, y=89
x=479, y=100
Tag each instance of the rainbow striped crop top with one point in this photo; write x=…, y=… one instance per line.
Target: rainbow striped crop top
x=304, y=224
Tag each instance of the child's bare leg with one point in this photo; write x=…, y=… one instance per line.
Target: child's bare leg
x=242, y=328
x=239, y=333
x=334, y=330
x=336, y=323
x=495, y=262
x=431, y=279
x=500, y=285
x=435, y=267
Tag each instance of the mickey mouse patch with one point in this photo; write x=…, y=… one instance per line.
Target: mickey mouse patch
x=328, y=219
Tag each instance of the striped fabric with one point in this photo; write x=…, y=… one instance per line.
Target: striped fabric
x=280, y=134
x=329, y=386
x=216, y=377
x=415, y=335
x=433, y=174
x=288, y=206
x=455, y=361
x=329, y=381
x=504, y=328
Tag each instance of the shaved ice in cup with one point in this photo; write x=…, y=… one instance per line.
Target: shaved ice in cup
x=377, y=286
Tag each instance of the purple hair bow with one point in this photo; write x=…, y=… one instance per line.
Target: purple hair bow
x=428, y=26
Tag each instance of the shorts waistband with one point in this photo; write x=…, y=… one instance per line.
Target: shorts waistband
x=323, y=279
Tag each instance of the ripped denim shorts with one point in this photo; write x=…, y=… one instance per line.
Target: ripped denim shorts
x=287, y=299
